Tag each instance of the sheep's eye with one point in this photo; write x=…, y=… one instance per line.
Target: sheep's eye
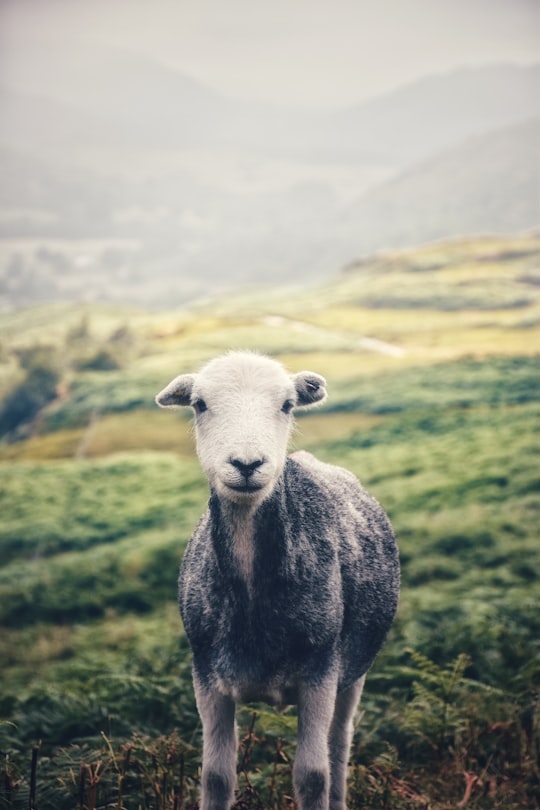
x=287, y=406
x=200, y=406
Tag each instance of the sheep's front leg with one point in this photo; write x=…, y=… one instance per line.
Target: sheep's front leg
x=311, y=773
x=340, y=740
x=219, y=748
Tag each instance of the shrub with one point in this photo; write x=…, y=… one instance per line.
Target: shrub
x=34, y=392
x=102, y=360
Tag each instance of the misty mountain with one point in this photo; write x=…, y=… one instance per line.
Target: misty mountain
x=38, y=123
x=202, y=241
x=109, y=97
x=113, y=189
x=140, y=100
x=489, y=184
x=440, y=111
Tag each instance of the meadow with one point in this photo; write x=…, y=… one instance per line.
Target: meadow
x=432, y=362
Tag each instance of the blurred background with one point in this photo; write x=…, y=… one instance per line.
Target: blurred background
x=352, y=188
x=151, y=152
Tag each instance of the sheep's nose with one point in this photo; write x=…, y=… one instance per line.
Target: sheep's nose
x=247, y=470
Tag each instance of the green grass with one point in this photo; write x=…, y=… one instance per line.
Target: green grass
x=77, y=505
x=99, y=494
x=433, y=389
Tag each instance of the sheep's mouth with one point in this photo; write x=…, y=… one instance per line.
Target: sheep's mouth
x=245, y=489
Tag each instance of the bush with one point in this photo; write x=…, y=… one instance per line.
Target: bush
x=102, y=360
x=36, y=390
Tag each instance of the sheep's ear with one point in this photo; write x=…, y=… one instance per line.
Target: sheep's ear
x=310, y=388
x=177, y=392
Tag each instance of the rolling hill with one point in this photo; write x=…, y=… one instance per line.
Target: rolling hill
x=431, y=357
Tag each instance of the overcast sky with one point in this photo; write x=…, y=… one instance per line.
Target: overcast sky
x=309, y=52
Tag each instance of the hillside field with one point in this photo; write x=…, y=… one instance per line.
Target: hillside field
x=432, y=362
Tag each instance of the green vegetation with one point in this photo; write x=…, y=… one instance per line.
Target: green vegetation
x=99, y=493
x=36, y=389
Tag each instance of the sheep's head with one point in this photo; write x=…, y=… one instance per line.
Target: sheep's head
x=243, y=406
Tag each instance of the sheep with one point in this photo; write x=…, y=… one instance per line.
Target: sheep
x=290, y=581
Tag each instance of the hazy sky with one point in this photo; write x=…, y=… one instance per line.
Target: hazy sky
x=311, y=52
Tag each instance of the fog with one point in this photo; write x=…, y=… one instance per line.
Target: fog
x=307, y=53
x=153, y=152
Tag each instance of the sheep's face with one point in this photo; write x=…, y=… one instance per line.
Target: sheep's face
x=243, y=407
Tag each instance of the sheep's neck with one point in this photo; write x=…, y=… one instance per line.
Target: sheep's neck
x=243, y=543
x=243, y=532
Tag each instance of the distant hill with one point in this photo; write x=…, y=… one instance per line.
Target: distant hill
x=206, y=192
x=440, y=111
x=489, y=184
x=196, y=242
x=107, y=96
x=38, y=123
x=141, y=101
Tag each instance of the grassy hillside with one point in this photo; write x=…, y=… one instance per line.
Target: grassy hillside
x=432, y=365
